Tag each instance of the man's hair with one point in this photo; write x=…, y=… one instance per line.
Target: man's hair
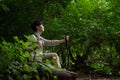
x=35, y=23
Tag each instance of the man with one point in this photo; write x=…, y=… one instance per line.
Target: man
x=38, y=29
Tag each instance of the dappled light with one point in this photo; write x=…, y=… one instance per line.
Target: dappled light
x=93, y=49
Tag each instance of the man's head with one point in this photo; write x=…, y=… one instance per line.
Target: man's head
x=37, y=26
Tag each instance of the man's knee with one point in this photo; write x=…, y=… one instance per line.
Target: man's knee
x=51, y=55
x=55, y=56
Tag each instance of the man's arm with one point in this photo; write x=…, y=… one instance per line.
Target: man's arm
x=53, y=42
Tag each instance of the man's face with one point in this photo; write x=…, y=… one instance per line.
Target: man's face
x=40, y=28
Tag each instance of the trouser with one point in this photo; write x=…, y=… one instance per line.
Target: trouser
x=51, y=56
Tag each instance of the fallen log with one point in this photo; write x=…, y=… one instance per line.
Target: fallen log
x=49, y=73
x=64, y=74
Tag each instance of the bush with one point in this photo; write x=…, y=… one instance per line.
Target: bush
x=16, y=62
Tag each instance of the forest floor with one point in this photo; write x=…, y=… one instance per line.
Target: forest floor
x=89, y=77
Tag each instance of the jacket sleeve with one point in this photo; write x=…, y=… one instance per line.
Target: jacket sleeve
x=52, y=42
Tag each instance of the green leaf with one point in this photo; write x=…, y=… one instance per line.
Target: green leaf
x=4, y=7
x=27, y=44
x=26, y=54
x=15, y=38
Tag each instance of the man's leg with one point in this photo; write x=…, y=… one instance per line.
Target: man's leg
x=50, y=56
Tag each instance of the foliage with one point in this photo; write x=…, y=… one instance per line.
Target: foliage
x=93, y=27
x=17, y=15
x=16, y=62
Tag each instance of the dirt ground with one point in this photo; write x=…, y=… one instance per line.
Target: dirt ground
x=89, y=77
x=81, y=78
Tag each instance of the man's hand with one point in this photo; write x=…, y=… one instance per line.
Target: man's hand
x=67, y=38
